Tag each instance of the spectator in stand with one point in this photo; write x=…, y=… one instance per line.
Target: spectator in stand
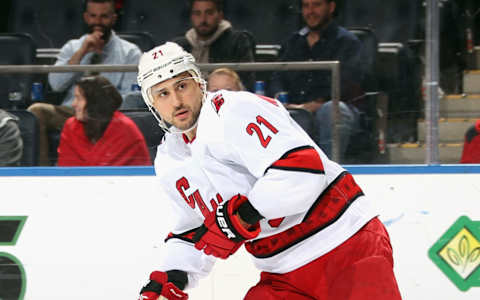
x=322, y=39
x=224, y=79
x=212, y=39
x=471, y=147
x=11, y=143
x=99, y=46
x=98, y=134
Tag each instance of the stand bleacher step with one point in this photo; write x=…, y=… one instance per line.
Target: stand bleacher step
x=451, y=130
x=415, y=153
x=460, y=106
x=471, y=82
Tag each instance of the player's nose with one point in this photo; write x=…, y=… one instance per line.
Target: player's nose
x=177, y=99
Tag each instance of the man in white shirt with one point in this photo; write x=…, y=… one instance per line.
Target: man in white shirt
x=99, y=46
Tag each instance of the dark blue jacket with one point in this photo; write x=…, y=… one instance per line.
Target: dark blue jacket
x=336, y=43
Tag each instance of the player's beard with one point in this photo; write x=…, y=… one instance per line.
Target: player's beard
x=195, y=113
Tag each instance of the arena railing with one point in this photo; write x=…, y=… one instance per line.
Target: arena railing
x=333, y=66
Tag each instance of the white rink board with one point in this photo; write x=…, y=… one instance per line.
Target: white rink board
x=98, y=237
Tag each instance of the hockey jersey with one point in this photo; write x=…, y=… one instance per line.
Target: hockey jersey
x=248, y=144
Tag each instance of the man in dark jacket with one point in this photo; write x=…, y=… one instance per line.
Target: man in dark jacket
x=322, y=39
x=212, y=39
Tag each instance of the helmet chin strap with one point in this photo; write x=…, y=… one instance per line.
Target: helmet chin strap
x=174, y=129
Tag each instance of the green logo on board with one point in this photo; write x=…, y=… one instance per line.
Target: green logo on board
x=457, y=253
x=12, y=274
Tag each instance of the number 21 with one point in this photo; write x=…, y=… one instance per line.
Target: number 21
x=252, y=127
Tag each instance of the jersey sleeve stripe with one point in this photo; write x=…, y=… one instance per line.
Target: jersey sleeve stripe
x=329, y=207
x=340, y=193
x=303, y=159
x=186, y=236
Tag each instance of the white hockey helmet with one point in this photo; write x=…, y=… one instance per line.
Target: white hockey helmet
x=162, y=63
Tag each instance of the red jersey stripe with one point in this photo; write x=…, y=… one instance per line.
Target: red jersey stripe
x=304, y=159
x=184, y=236
x=328, y=207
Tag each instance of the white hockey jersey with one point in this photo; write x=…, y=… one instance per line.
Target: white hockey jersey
x=248, y=144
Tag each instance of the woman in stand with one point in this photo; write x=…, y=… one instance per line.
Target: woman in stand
x=98, y=134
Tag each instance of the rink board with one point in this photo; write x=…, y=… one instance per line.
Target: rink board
x=93, y=233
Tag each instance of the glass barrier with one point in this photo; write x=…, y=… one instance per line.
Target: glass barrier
x=409, y=79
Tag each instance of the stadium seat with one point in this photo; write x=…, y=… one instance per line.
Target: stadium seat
x=148, y=125
x=368, y=56
x=164, y=20
x=363, y=146
x=29, y=130
x=51, y=23
x=400, y=78
x=16, y=49
x=402, y=17
x=260, y=17
x=266, y=53
x=133, y=100
x=143, y=40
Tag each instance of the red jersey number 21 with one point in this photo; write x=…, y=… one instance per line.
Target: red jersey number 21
x=254, y=128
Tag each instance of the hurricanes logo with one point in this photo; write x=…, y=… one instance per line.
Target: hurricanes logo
x=217, y=102
x=457, y=253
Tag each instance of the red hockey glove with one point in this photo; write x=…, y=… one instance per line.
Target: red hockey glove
x=222, y=232
x=160, y=285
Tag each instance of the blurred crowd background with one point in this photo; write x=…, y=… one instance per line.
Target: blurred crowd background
x=392, y=32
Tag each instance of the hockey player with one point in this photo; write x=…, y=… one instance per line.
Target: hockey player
x=239, y=171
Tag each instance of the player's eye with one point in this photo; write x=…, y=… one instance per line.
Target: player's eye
x=162, y=94
x=159, y=95
x=181, y=85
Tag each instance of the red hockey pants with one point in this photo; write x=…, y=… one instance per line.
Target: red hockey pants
x=359, y=269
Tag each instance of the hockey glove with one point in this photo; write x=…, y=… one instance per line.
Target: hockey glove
x=226, y=229
x=165, y=284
